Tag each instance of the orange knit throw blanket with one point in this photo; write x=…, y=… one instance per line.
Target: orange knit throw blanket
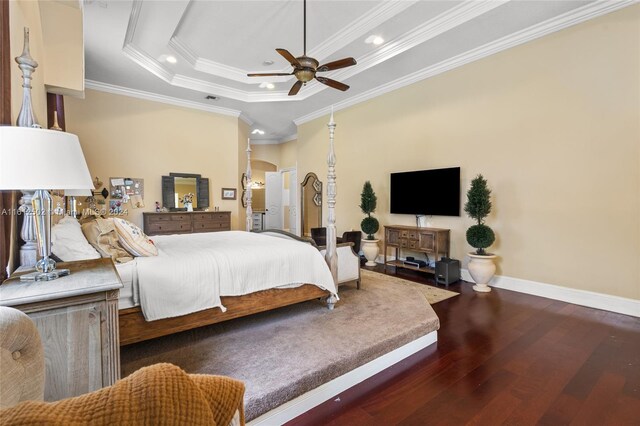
x=161, y=394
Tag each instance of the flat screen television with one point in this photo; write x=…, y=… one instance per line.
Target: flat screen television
x=433, y=192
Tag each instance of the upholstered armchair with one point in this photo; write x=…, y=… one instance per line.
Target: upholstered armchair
x=21, y=359
x=348, y=258
x=319, y=236
x=161, y=393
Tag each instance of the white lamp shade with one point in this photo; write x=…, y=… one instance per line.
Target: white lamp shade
x=77, y=192
x=32, y=159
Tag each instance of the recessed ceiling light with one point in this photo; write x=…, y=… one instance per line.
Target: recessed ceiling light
x=257, y=132
x=374, y=39
x=266, y=85
x=171, y=59
x=267, y=63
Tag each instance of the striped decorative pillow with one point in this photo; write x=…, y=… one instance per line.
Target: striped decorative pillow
x=133, y=239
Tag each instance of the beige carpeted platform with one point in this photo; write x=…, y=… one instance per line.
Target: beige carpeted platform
x=284, y=353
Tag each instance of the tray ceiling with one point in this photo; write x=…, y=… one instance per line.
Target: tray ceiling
x=216, y=43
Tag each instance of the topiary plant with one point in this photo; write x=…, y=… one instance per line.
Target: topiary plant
x=368, y=203
x=478, y=207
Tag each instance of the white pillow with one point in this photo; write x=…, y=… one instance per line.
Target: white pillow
x=69, y=243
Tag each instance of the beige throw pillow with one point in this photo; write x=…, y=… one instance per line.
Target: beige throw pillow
x=133, y=239
x=101, y=234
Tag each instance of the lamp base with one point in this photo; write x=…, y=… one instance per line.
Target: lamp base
x=45, y=276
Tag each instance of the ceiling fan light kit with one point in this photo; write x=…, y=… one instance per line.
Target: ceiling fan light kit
x=305, y=67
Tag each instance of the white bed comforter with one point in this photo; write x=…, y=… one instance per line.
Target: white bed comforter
x=192, y=271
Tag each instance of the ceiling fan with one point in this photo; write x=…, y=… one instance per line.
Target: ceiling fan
x=305, y=67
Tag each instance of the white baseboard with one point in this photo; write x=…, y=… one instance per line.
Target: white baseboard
x=317, y=396
x=621, y=305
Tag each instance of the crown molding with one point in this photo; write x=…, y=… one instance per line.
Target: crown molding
x=447, y=20
x=370, y=20
x=147, y=62
x=216, y=68
x=133, y=22
x=244, y=117
x=432, y=28
x=148, y=96
x=289, y=138
x=568, y=19
x=265, y=142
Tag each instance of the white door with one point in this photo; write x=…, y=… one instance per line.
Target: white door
x=273, y=200
x=293, y=202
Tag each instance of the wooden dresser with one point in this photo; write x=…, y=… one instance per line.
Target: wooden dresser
x=186, y=222
x=432, y=241
x=77, y=318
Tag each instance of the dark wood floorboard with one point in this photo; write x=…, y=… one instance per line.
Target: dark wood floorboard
x=503, y=358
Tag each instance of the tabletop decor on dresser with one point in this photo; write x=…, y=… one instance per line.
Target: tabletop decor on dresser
x=480, y=236
x=77, y=318
x=369, y=225
x=56, y=161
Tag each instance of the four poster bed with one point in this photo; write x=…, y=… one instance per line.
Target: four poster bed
x=134, y=327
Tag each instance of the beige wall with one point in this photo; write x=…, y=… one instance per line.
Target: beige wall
x=268, y=153
x=62, y=28
x=283, y=155
x=124, y=136
x=554, y=125
x=289, y=154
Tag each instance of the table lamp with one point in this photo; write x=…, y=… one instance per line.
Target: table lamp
x=55, y=161
x=72, y=194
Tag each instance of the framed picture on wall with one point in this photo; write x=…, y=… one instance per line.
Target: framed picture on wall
x=229, y=193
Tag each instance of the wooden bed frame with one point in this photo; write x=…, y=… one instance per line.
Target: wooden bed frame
x=134, y=328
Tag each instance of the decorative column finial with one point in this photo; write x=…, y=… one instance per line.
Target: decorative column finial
x=249, y=212
x=26, y=116
x=331, y=255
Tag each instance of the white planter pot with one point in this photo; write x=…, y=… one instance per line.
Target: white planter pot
x=370, y=249
x=481, y=268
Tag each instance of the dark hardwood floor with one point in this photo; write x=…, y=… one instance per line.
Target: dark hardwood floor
x=504, y=358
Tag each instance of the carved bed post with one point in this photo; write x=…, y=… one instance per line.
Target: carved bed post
x=26, y=118
x=249, y=213
x=331, y=256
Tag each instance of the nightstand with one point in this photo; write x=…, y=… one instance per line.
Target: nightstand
x=77, y=317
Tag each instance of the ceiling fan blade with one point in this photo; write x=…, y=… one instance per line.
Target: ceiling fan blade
x=269, y=74
x=335, y=65
x=332, y=83
x=295, y=88
x=289, y=57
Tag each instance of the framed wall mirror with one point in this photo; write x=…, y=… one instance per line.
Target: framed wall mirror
x=177, y=185
x=311, y=205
